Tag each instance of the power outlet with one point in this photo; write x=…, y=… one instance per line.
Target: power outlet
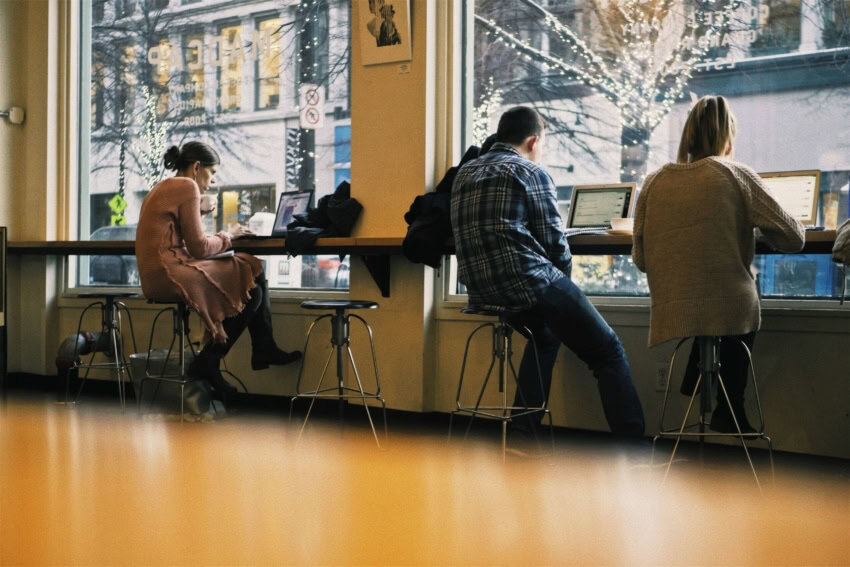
x=660, y=376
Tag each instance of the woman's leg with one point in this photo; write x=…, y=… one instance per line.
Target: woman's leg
x=206, y=364
x=734, y=369
x=264, y=350
x=260, y=325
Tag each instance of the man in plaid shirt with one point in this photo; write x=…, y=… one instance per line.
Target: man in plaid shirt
x=513, y=256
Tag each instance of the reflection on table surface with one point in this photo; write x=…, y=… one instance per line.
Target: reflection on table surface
x=90, y=486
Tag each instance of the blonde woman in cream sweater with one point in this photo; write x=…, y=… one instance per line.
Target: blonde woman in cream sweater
x=695, y=228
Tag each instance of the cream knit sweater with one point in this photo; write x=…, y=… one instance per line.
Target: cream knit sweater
x=694, y=238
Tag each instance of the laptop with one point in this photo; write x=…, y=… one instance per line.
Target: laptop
x=593, y=206
x=797, y=192
x=291, y=203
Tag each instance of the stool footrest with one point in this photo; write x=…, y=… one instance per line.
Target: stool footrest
x=754, y=435
x=172, y=378
x=109, y=365
x=334, y=394
x=482, y=411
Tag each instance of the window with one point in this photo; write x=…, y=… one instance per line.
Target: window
x=190, y=74
x=614, y=82
x=160, y=76
x=268, y=63
x=229, y=54
x=342, y=154
x=192, y=79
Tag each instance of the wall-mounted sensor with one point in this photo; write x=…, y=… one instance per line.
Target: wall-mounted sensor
x=15, y=115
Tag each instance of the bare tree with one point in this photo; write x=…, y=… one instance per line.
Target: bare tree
x=639, y=55
x=132, y=58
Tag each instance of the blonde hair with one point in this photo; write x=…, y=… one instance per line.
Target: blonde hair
x=710, y=127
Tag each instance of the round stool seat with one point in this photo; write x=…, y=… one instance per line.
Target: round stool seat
x=475, y=310
x=108, y=294
x=339, y=304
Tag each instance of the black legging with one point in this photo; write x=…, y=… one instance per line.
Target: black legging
x=256, y=316
x=734, y=368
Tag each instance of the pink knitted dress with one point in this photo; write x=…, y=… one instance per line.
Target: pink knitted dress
x=170, y=247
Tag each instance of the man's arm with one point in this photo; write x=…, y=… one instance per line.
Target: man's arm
x=545, y=223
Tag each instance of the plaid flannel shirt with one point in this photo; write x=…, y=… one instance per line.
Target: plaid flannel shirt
x=507, y=230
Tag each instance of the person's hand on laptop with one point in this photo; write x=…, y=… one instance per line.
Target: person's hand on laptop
x=237, y=230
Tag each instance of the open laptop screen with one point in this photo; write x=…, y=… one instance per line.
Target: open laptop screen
x=291, y=203
x=796, y=192
x=595, y=205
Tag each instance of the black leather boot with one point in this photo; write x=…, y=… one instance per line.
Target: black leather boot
x=264, y=357
x=206, y=367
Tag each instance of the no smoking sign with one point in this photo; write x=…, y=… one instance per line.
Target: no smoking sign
x=311, y=105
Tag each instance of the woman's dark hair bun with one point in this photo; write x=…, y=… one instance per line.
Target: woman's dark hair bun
x=177, y=158
x=172, y=158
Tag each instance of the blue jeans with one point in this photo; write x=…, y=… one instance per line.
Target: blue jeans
x=564, y=315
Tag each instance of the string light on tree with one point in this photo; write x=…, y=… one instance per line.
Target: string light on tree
x=643, y=55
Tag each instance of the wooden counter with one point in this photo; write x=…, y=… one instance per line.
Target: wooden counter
x=375, y=251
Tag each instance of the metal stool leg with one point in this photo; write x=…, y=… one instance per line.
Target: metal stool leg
x=340, y=343
x=363, y=395
x=738, y=428
x=301, y=370
x=313, y=396
x=664, y=402
x=709, y=372
x=681, y=429
x=460, y=381
x=375, y=366
x=502, y=350
x=760, y=410
x=180, y=330
x=543, y=393
x=74, y=365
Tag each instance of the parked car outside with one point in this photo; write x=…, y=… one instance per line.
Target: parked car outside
x=114, y=270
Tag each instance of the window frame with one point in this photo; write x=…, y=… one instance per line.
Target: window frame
x=74, y=268
x=258, y=20
x=445, y=277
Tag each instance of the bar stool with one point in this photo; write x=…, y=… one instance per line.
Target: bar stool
x=709, y=374
x=502, y=351
x=180, y=332
x=111, y=341
x=340, y=344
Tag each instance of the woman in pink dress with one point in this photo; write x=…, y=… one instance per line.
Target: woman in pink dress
x=229, y=294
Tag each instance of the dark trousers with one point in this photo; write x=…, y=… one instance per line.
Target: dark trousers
x=564, y=315
x=256, y=316
x=734, y=369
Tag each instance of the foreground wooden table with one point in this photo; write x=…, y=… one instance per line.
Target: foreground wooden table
x=90, y=486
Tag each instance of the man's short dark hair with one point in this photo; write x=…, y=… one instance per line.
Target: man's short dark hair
x=517, y=124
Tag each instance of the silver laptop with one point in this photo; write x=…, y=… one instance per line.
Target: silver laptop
x=593, y=206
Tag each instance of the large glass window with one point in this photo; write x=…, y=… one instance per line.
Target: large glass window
x=229, y=54
x=268, y=63
x=158, y=73
x=614, y=81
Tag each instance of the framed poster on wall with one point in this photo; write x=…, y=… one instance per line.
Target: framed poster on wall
x=384, y=31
